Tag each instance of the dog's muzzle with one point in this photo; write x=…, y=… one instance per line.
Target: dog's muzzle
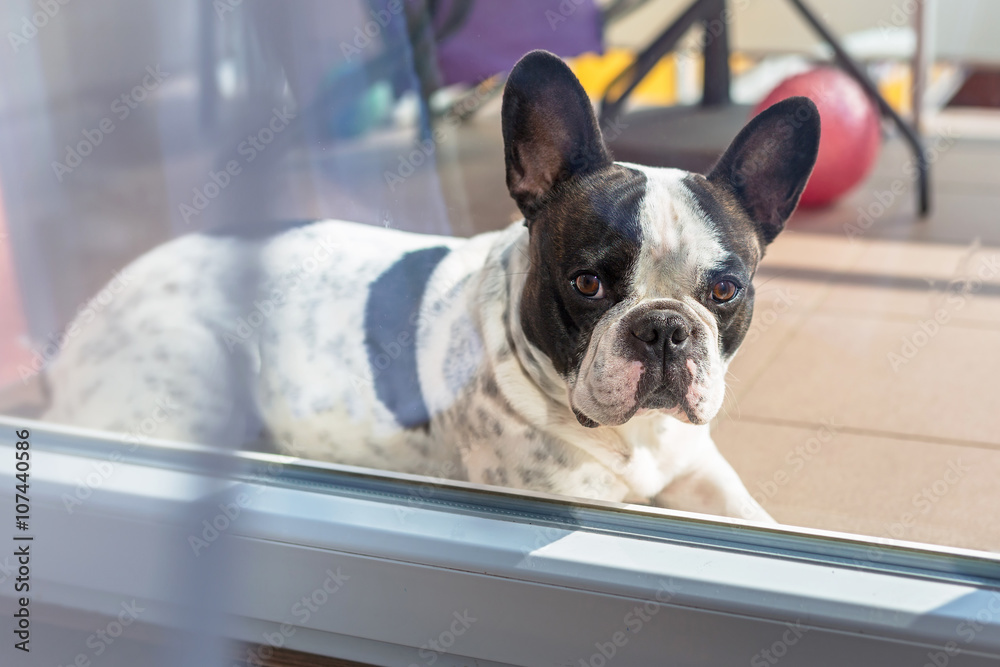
x=655, y=356
x=664, y=340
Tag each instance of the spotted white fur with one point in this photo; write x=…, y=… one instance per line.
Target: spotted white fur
x=306, y=381
x=365, y=346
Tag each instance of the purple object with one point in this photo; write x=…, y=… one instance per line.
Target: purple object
x=496, y=34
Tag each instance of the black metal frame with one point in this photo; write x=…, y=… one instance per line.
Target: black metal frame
x=713, y=15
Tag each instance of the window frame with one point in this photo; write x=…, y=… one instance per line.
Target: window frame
x=553, y=579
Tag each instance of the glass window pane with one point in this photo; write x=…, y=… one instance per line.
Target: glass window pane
x=297, y=228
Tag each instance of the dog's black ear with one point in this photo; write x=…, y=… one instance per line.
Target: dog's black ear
x=768, y=164
x=550, y=133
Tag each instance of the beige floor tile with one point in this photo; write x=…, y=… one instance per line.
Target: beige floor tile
x=893, y=279
x=855, y=369
x=913, y=260
x=794, y=248
x=980, y=310
x=768, y=334
x=782, y=301
x=964, y=200
x=778, y=298
x=780, y=306
x=955, y=304
x=982, y=301
x=886, y=488
x=969, y=163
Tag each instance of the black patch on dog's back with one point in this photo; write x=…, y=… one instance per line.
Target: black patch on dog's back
x=390, y=333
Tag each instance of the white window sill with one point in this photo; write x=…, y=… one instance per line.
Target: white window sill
x=547, y=582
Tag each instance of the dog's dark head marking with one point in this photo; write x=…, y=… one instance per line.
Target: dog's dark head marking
x=646, y=332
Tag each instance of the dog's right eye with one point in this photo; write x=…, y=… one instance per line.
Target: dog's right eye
x=724, y=291
x=589, y=285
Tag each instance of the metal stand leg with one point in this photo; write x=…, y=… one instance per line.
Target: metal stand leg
x=711, y=14
x=623, y=85
x=909, y=133
x=716, y=85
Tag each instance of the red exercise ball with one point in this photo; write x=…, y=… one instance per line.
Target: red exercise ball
x=850, y=137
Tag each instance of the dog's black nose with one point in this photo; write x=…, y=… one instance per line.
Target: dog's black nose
x=662, y=332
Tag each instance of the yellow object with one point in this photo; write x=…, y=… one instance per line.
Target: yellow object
x=597, y=72
x=660, y=87
x=895, y=84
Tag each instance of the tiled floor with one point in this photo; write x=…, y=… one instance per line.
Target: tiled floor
x=849, y=407
x=865, y=399
x=832, y=306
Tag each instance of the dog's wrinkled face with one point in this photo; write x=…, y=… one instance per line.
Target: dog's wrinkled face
x=639, y=289
x=636, y=296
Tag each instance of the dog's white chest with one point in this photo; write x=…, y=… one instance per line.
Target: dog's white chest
x=661, y=447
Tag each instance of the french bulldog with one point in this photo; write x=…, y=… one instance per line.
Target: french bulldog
x=582, y=351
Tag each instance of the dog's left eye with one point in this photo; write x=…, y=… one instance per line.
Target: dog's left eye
x=589, y=286
x=724, y=290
